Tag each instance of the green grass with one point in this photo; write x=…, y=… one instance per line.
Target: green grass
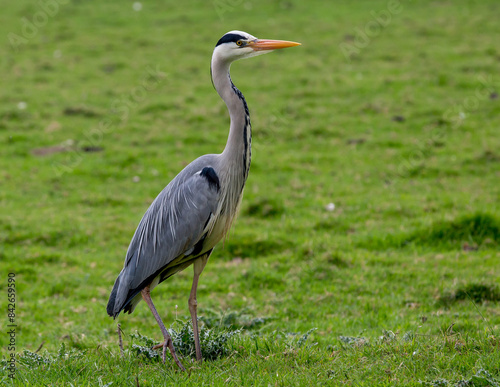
x=400, y=281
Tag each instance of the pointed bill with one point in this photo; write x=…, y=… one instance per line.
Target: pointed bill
x=267, y=44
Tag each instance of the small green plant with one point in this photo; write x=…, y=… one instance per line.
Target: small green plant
x=145, y=349
x=353, y=341
x=214, y=341
x=233, y=320
x=32, y=359
x=482, y=378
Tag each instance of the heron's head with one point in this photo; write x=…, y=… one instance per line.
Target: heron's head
x=239, y=45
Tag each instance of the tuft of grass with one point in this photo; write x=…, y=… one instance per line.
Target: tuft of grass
x=482, y=378
x=233, y=320
x=353, y=341
x=80, y=111
x=34, y=360
x=479, y=229
x=474, y=228
x=254, y=248
x=145, y=350
x=476, y=292
x=265, y=208
x=333, y=225
x=214, y=342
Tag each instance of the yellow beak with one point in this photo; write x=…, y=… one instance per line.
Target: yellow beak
x=266, y=44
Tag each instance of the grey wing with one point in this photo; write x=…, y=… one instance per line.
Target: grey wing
x=171, y=230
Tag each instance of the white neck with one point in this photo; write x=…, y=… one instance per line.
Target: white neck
x=237, y=153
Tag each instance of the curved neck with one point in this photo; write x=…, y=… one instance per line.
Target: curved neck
x=237, y=153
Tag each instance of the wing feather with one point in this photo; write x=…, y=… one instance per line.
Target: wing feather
x=173, y=224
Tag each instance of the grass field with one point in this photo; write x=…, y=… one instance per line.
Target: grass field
x=367, y=250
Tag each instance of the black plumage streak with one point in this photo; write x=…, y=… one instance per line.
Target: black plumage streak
x=247, y=136
x=230, y=38
x=198, y=247
x=212, y=178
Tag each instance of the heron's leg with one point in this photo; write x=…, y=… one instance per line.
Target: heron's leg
x=198, y=265
x=146, y=295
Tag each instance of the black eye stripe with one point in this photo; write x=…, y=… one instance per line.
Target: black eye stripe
x=229, y=38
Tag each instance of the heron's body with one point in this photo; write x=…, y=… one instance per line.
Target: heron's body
x=171, y=238
x=196, y=209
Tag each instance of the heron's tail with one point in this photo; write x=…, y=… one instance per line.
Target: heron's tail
x=112, y=311
x=123, y=297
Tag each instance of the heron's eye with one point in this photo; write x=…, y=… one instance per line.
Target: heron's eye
x=239, y=43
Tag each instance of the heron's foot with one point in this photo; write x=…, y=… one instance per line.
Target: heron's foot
x=158, y=346
x=168, y=344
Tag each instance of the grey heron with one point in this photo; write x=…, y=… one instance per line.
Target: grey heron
x=195, y=210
